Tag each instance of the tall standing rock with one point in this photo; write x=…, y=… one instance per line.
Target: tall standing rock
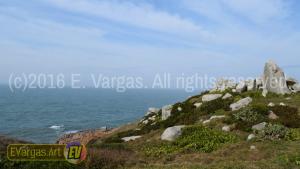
x=274, y=79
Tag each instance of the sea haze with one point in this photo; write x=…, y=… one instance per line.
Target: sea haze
x=42, y=115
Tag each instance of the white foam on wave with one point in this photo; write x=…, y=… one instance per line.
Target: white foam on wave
x=71, y=132
x=56, y=127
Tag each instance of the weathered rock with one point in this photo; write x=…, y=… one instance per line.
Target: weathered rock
x=296, y=87
x=272, y=115
x=131, y=138
x=166, y=112
x=259, y=126
x=271, y=104
x=241, y=87
x=223, y=84
x=250, y=137
x=226, y=128
x=226, y=96
x=291, y=81
x=171, y=133
x=282, y=104
x=241, y=103
x=250, y=84
x=258, y=83
x=197, y=105
x=152, y=110
x=212, y=118
x=145, y=121
x=274, y=79
x=210, y=97
x=252, y=147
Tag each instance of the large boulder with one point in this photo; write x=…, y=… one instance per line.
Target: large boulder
x=296, y=87
x=274, y=79
x=241, y=87
x=210, y=97
x=166, y=112
x=251, y=84
x=258, y=83
x=241, y=103
x=171, y=133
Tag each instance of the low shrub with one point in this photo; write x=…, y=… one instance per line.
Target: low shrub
x=199, y=138
x=108, y=159
x=212, y=106
x=273, y=131
x=288, y=116
x=159, y=149
x=246, y=118
x=293, y=135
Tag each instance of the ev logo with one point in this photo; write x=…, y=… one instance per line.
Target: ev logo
x=75, y=152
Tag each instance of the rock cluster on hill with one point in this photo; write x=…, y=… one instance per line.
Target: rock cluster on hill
x=273, y=80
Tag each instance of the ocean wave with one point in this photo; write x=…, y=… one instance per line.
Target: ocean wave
x=56, y=127
x=71, y=132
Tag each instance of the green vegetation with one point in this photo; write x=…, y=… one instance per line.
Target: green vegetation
x=199, y=147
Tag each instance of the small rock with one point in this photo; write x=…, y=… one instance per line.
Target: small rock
x=291, y=81
x=171, y=133
x=210, y=97
x=226, y=96
x=131, y=138
x=288, y=98
x=272, y=115
x=259, y=126
x=152, y=118
x=250, y=137
x=179, y=109
x=206, y=121
x=145, y=121
x=252, y=147
x=166, y=112
x=282, y=104
x=197, y=105
x=226, y=128
x=241, y=103
x=233, y=90
x=259, y=83
x=271, y=104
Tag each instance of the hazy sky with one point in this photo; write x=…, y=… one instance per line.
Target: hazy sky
x=143, y=37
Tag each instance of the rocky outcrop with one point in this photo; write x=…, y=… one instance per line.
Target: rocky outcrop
x=223, y=84
x=84, y=137
x=152, y=110
x=241, y=103
x=210, y=97
x=166, y=112
x=171, y=133
x=274, y=79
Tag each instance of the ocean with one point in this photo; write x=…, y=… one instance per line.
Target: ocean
x=42, y=115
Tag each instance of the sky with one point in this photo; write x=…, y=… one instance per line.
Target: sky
x=144, y=37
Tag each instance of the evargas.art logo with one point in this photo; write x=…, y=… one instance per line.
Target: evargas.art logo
x=75, y=152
